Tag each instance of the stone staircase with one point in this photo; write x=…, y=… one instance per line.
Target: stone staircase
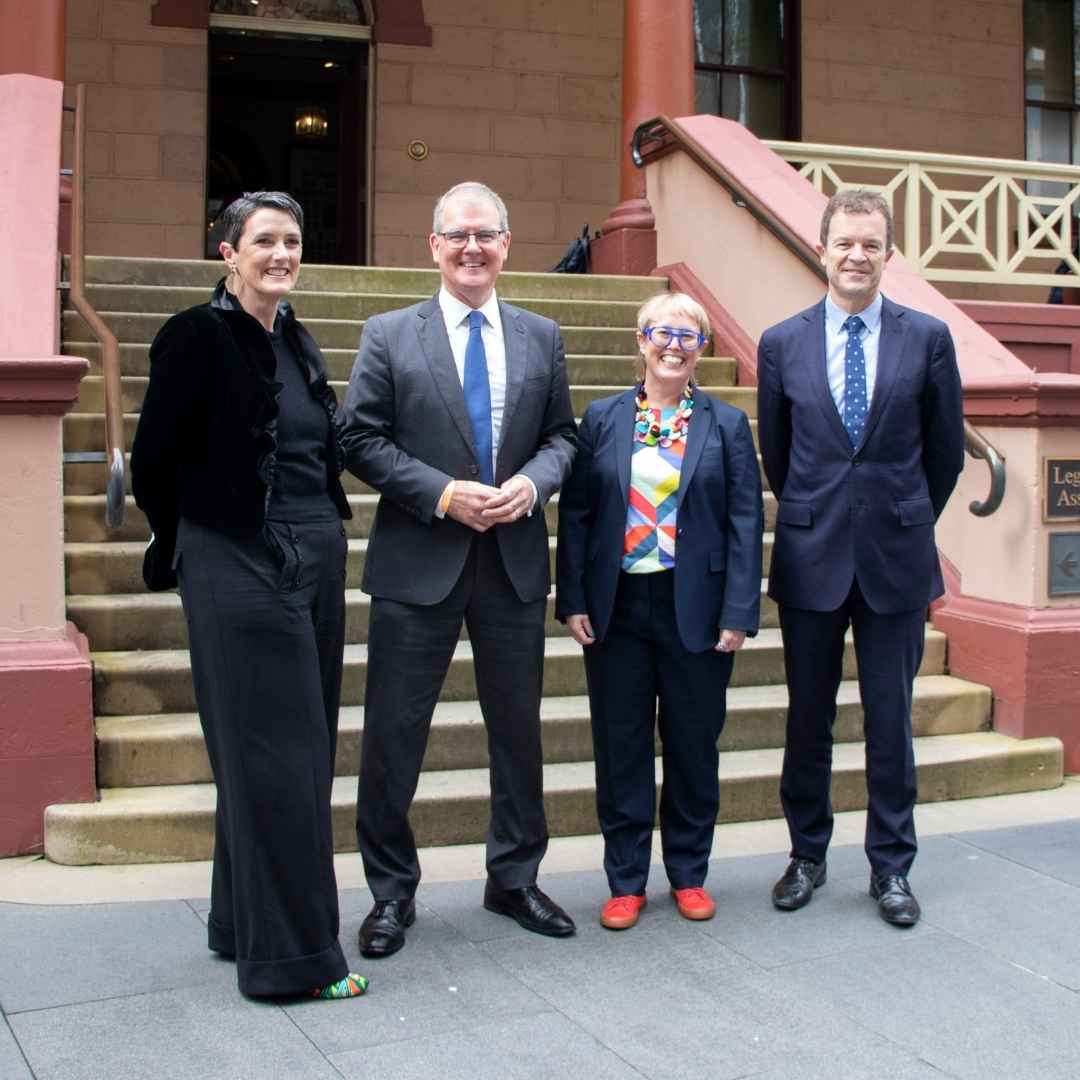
x=157, y=798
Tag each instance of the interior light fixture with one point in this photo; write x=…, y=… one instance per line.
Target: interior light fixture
x=311, y=122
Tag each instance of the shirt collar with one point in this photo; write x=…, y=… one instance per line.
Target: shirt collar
x=835, y=317
x=456, y=312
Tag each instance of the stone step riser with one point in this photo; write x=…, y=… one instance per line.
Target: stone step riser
x=163, y=682
x=141, y=752
x=107, y=833
x=204, y=274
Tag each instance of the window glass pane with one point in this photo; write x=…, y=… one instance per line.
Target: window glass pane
x=1048, y=135
x=707, y=92
x=339, y=11
x=753, y=33
x=1048, y=48
x=708, y=32
x=756, y=101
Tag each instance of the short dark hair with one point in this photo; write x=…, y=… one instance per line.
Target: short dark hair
x=858, y=201
x=234, y=216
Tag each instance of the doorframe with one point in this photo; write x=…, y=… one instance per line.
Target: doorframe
x=258, y=26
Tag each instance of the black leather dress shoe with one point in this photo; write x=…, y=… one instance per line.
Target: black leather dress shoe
x=382, y=933
x=895, y=902
x=531, y=908
x=796, y=888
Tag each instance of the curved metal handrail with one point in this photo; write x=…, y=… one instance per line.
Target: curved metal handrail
x=659, y=136
x=979, y=447
x=110, y=348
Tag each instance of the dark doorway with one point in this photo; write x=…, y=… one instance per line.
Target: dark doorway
x=290, y=114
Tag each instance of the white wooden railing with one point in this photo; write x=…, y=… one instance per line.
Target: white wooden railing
x=962, y=219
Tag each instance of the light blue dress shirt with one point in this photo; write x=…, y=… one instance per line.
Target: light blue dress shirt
x=836, y=346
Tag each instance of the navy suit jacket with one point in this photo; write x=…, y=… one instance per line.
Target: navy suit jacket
x=719, y=523
x=867, y=513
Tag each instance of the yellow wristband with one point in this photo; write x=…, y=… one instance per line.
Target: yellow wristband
x=447, y=495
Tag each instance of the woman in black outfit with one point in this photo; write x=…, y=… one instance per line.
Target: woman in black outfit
x=236, y=463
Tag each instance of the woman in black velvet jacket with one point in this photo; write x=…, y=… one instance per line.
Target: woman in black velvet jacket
x=236, y=464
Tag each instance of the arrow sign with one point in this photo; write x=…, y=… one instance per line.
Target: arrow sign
x=1068, y=565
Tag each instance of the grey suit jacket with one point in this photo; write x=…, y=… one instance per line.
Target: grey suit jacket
x=406, y=433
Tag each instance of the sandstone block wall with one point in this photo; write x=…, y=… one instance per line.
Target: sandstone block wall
x=146, y=128
x=523, y=95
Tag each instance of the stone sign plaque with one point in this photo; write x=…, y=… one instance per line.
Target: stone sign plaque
x=1064, y=552
x=1061, y=489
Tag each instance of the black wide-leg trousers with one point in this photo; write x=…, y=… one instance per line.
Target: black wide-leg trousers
x=639, y=663
x=410, y=648
x=888, y=652
x=266, y=626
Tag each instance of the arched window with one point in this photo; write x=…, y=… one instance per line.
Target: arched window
x=331, y=11
x=746, y=60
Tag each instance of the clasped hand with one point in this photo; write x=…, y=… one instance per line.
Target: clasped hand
x=480, y=506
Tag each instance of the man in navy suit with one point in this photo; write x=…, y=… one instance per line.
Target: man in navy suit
x=862, y=438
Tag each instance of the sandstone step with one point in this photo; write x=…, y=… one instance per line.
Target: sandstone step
x=131, y=825
x=205, y=273
x=600, y=369
x=148, y=681
x=168, y=748
x=85, y=431
x=108, y=565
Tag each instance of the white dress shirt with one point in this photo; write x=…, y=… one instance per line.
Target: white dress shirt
x=836, y=347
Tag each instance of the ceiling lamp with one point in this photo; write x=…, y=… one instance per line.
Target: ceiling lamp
x=311, y=122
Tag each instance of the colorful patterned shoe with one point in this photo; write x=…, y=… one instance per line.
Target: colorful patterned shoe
x=351, y=986
x=695, y=904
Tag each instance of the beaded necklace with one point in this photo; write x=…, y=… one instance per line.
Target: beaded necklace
x=651, y=431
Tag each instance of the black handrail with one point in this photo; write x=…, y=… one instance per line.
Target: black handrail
x=659, y=136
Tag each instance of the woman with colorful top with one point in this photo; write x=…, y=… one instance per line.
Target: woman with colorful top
x=659, y=578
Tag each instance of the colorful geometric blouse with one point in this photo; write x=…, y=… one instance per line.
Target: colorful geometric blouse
x=649, y=543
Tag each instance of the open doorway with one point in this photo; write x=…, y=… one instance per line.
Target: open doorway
x=289, y=113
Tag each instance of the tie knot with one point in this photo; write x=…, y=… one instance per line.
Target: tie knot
x=853, y=324
x=476, y=320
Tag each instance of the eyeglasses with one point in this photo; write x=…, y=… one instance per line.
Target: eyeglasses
x=457, y=238
x=663, y=336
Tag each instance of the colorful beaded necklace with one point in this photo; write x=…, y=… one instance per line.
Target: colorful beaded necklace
x=650, y=431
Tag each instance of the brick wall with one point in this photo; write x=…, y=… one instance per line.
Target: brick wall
x=500, y=97
x=146, y=128
x=938, y=75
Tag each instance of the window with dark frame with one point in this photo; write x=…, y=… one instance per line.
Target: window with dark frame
x=1052, y=80
x=746, y=61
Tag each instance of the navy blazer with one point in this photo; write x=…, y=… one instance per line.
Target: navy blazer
x=867, y=513
x=718, y=528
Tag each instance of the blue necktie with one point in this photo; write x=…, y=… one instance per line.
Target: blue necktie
x=478, y=395
x=855, y=403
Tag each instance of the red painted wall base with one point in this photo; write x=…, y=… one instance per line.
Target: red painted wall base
x=624, y=251
x=1031, y=658
x=46, y=735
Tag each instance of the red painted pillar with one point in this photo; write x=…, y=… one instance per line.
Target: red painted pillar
x=46, y=711
x=658, y=77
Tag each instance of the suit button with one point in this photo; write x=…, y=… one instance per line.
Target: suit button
x=474, y=469
x=679, y=532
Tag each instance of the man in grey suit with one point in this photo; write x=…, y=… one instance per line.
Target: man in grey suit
x=458, y=413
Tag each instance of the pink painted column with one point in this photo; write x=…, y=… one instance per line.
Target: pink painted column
x=657, y=77
x=46, y=710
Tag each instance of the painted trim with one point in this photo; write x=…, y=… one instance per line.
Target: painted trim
x=40, y=386
x=729, y=338
x=187, y=14
x=1051, y=399
x=401, y=22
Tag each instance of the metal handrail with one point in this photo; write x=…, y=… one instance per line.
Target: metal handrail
x=655, y=138
x=110, y=348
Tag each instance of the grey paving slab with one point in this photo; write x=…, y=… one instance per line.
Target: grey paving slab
x=12, y=1063
x=60, y=955
x=439, y=983
x=190, y=1034
x=531, y=1048
x=677, y=994
x=970, y=1014
x=1052, y=849
x=887, y=1063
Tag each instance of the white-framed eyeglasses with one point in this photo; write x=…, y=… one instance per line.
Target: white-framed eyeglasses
x=458, y=238
x=665, y=336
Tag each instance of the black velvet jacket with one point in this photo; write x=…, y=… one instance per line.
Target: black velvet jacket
x=206, y=444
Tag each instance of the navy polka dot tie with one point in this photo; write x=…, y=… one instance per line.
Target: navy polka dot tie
x=855, y=403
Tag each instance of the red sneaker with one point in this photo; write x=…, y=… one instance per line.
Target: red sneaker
x=694, y=904
x=621, y=912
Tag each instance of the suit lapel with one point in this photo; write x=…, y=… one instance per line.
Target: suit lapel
x=514, y=345
x=819, y=373
x=698, y=432
x=431, y=329
x=624, y=440
x=890, y=355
